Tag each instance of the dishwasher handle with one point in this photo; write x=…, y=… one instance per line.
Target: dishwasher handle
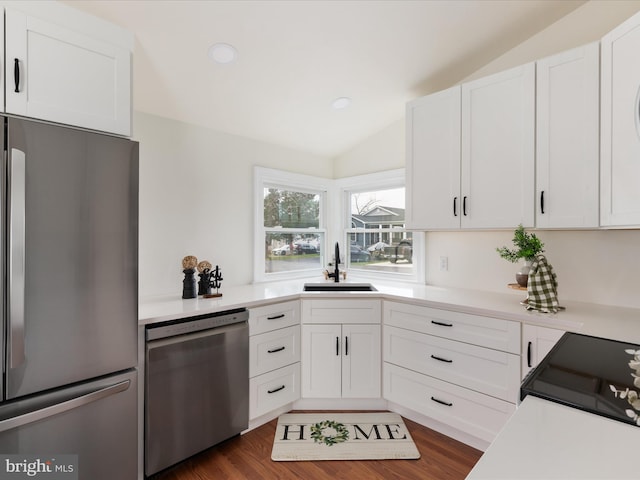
x=163, y=342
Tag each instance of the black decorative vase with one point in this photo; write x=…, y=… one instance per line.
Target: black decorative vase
x=189, y=284
x=204, y=284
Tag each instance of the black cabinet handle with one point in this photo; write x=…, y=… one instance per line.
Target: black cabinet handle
x=455, y=206
x=346, y=345
x=464, y=206
x=529, y=345
x=442, y=324
x=279, y=349
x=276, y=317
x=440, y=359
x=542, y=202
x=276, y=389
x=337, y=345
x=16, y=74
x=442, y=402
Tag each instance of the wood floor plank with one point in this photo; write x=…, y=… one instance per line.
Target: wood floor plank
x=249, y=457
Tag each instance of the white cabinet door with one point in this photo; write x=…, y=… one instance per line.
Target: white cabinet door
x=620, y=126
x=567, y=129
x=536, y=343
x=321, y=361
x=56, y=74
x=341, y=361
x=433, y=161
x=498, y=132
x=361, y=361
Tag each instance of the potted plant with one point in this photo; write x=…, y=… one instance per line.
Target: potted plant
x=527, y=246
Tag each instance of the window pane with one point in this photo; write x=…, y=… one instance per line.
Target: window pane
x=285, y=252
x=291, y=209
x=382, y=251
x=378, y=209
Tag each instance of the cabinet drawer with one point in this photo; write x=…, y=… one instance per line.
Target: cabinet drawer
x=341, y=311
x=471, y=412
x=272, y=350
x=272, y=317
x=273, y=390
x=475, y=329
x=487, y=371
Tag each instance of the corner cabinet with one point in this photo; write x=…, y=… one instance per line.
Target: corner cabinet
x=433, y=161
x=62, y=75
x=620, y=126
x=498, y=141
x=459, y=369
x=567, y=139
x=341, y=348
x=274, y=357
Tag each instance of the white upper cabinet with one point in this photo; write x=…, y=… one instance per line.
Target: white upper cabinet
x=567, y=149
x=498, y=141
x=620, y=126
x=433, y=161
x=65, y=75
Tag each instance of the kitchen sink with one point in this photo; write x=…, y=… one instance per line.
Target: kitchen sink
x=339, y=287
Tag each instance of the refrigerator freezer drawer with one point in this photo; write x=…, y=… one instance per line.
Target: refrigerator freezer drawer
x=97, y=421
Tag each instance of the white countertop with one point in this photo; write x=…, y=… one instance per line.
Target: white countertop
x=546, y=440
x=612, y=322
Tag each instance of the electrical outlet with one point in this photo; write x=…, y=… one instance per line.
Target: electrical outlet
x=444, y=264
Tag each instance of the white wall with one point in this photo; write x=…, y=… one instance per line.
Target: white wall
x=592, y=266
x=196, y=194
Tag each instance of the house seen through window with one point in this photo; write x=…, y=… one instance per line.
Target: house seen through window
x=377, y=237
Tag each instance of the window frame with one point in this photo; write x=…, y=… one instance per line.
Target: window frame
x=272, y=178
x=366, y=183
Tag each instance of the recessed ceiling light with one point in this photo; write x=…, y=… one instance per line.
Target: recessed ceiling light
x=340, y=103
x=223, y=53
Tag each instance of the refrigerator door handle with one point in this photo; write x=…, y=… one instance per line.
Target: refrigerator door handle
x=16, y=273
x=57, y=408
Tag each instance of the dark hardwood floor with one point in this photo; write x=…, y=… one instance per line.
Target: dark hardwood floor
x=249, y=457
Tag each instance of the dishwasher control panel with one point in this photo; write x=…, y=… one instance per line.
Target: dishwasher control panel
x=171, y=328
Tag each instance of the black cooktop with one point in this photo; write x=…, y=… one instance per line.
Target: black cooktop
x=578, y=372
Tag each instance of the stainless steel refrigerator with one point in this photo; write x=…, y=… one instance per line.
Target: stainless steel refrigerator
x=69, y=293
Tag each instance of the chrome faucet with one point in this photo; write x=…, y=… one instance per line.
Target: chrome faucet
x=336, y=273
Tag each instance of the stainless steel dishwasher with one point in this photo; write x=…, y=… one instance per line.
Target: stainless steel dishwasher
x=196, y=385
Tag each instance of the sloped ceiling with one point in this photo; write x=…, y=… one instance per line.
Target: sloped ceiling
x=296, y=57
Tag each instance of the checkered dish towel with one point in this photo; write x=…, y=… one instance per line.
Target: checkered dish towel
x=542, y=287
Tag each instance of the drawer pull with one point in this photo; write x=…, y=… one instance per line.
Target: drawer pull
x=279, y=349
x=442, y=324
x=276, y=317
x=442, y=402
x=440, y=359
x=529, y=345
x=281, y=387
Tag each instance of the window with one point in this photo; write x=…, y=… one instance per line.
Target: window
x=374, y=227
x=290, y=227
x=297, y=216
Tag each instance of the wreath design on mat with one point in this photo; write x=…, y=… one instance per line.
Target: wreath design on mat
x=329, y=432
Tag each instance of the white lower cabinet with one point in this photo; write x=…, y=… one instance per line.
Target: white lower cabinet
x=341, y=361
x=462, y=370
x=536, y=343
x=481, y=369
x=466, y=410
x=341, y=355
x=274, y=357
